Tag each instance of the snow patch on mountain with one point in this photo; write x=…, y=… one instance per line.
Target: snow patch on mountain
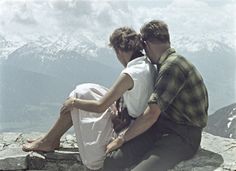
x=223, y=122
x=232, y=116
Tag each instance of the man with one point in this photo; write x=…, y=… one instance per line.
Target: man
x=169, y=131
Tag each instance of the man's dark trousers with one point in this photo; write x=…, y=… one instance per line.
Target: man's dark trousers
x=160, y=148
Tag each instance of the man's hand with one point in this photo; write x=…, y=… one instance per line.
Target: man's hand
x=115, y=144
x=68, y=105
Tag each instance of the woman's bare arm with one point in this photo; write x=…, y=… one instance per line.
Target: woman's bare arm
x=123, y=83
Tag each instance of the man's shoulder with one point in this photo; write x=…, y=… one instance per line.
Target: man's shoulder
x=176, y=58
x=176, y=63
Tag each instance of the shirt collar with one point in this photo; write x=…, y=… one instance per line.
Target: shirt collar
x=165, y=55
x=134, y=61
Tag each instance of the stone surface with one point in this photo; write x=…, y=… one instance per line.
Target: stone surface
x=36, y=160
x=204, y=160
x=13, y=159
x=1, y=146
x=11, y=137
x=216, y=154
x=64, y=165
x=64, y=154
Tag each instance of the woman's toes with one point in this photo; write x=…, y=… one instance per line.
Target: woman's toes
x=37, y=146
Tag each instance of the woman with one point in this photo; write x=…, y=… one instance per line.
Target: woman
x=90, y=107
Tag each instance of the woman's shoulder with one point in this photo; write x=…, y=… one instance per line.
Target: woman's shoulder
x=139, y=68
x=138, y=61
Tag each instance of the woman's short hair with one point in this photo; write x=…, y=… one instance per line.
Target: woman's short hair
x=155, y=30
x=126, y=39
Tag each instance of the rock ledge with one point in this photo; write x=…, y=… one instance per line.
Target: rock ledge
x=216, y=154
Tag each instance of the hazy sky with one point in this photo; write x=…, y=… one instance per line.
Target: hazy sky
x=197, y=19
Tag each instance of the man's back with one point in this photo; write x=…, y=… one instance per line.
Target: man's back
x=191, y=103
x=180, y=91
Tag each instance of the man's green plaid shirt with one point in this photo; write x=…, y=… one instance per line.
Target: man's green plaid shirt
x=180, y=91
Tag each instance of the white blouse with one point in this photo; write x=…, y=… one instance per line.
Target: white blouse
x=142, y=72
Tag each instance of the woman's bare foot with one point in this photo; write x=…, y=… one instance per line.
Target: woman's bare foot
x=39, y=144
x=56, y=143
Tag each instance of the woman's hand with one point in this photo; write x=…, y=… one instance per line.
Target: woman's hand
x=115, y=144
x=68, y=105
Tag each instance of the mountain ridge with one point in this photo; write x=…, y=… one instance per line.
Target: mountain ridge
x=67, y=68
x=223, y=122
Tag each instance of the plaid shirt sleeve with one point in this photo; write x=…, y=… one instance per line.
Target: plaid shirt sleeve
x=170, y=81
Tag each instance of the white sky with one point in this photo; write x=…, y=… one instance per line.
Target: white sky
x=195, y=19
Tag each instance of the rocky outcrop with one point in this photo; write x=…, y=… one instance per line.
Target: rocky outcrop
x=216, y=153
x=223, y=122
x=13, y=158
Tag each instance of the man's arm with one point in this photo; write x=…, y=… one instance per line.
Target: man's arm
x=140, y=125
x=143, y=122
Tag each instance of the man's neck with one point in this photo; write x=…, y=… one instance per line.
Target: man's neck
x=161, y=49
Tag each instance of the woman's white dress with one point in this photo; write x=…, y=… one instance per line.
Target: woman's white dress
x=94, y=130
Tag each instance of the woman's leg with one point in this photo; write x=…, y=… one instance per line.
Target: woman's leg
x=52, y=138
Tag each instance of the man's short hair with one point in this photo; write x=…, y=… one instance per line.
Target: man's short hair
x=155, y=30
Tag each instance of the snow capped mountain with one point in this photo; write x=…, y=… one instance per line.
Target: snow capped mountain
x=195, y=44
x=7, y=47
x=50, y=46
x=223, y=122
x=85, y=46
x=84, y=26
x=76, y=43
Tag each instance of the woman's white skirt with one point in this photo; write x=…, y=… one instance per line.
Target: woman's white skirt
x=93, y=130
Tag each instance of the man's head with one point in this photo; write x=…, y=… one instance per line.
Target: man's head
x=156, y=38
